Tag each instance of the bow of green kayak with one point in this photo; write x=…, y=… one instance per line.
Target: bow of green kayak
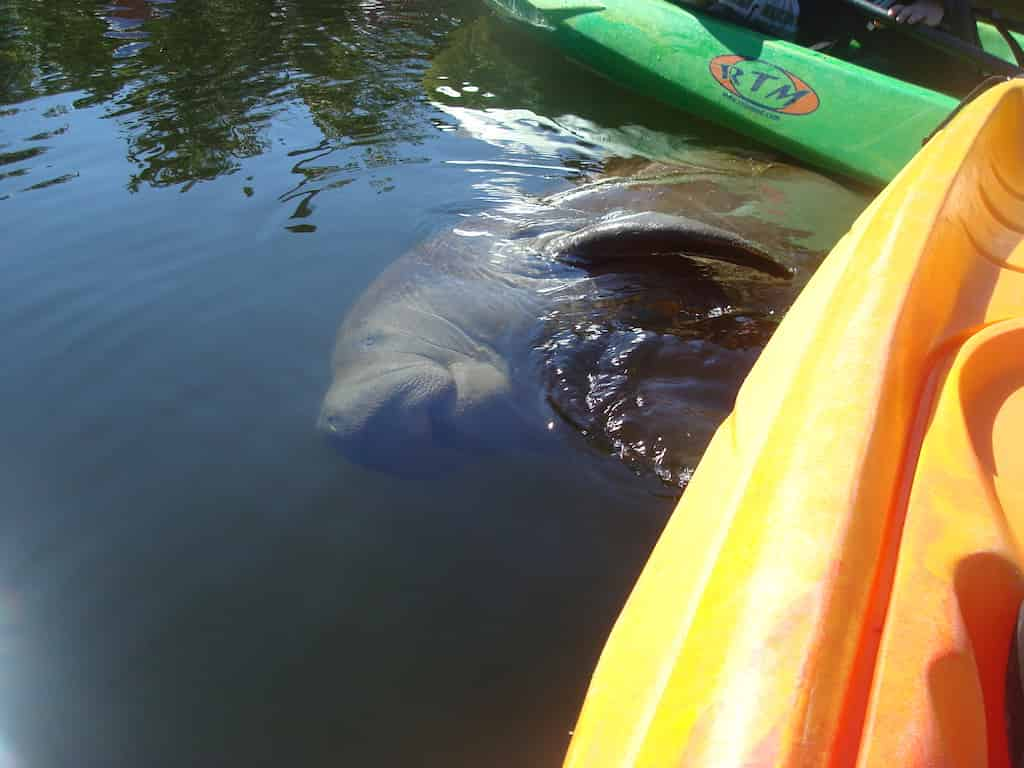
x=821, y=110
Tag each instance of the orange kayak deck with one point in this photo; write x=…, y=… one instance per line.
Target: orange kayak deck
x=840, y=582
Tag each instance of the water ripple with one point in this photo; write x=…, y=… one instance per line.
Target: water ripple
x=646, y=364
x=193, y=104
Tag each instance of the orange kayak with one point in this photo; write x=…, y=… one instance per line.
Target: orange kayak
x=840, y=583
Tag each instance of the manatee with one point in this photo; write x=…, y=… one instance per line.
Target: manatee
x=623, y=307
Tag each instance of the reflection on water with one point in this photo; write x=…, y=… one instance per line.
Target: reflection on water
x=125, y=21
x=198, y=86
x=192, y=194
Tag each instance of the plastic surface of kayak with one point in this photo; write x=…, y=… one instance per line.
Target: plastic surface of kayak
x=819, y=109
x=840, y=581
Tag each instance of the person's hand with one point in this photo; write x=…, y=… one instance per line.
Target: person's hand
x=928, y=11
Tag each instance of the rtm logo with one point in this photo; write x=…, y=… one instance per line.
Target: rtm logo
x=764, y=85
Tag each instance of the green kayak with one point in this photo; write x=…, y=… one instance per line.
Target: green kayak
x=834, y=113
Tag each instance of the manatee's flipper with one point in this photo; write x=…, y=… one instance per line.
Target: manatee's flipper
x=628, y=238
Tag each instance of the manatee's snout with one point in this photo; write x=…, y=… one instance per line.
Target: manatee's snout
x=375, y=408
x=408, y=413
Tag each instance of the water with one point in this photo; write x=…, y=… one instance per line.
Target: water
x=191, y=195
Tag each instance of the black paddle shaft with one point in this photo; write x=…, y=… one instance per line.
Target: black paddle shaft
x=938, y=39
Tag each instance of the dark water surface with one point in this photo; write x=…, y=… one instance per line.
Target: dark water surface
x=191, y=195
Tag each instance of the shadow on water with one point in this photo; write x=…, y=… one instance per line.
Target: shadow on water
x=491, y=66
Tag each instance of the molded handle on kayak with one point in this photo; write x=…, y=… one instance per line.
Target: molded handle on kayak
x=565, y=5
x=547, y=13
x=563, y=8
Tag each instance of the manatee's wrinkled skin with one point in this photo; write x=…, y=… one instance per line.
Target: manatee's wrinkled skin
x=624, y=307
x=422, y=364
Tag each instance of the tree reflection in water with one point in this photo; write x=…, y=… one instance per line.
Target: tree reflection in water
x=194, y=84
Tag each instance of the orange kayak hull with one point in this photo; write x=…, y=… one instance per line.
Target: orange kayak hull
x=839, y=583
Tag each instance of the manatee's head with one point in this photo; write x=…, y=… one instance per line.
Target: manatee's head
x=401, y=403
